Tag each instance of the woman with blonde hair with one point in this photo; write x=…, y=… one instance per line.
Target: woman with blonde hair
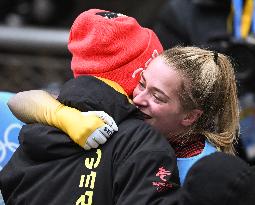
x=190, y=95
x=208, y=87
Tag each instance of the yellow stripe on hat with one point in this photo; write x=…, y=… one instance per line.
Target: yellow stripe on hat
x=116, y=87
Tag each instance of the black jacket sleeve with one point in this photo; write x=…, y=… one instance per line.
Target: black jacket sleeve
x=46, y=143
x=148, y=177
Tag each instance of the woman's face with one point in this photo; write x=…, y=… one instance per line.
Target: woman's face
x=156, y=96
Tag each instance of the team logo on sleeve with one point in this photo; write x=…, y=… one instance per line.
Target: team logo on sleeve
x=162, y=183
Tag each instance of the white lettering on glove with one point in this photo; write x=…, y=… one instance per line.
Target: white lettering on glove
x=101, y=134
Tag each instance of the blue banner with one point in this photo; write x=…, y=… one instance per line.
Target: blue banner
x=9, y=130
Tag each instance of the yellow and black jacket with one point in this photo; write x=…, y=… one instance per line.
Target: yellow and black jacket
x=135, y=166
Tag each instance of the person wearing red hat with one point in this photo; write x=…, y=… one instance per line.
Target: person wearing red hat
x=199, y=96
x=137, y=166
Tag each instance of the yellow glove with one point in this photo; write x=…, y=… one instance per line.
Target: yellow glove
x=100, y=135
x=73, y=123
x=39, y=106
x=86, y=130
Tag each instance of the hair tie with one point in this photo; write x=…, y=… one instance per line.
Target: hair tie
x=215, y=57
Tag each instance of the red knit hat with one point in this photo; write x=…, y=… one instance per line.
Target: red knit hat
x=112, y=46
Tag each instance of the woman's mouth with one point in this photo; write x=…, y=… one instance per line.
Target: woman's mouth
x=145, y=116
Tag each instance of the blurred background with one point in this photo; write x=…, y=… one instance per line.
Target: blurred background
x=34, y=33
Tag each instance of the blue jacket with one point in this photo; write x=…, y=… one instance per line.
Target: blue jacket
x=184, y=164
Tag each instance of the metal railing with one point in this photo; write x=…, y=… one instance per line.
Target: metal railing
x=32, y=58
x=30, y=39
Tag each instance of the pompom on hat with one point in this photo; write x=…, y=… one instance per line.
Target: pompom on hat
x=111, y=46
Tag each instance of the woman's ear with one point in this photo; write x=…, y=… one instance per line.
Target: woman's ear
x=191, y=117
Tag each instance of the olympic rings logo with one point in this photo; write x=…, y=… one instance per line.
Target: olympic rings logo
x=6, y=144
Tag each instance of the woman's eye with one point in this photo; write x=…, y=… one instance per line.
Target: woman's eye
x=141, y=85
x=158, y=99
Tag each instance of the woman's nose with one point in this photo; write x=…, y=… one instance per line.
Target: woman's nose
x=141, y=99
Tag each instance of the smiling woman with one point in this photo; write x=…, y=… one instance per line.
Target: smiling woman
x=190, y=95
x=157, y=96
x=208, y=94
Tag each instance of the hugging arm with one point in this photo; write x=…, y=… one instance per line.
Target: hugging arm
x=39, y=106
